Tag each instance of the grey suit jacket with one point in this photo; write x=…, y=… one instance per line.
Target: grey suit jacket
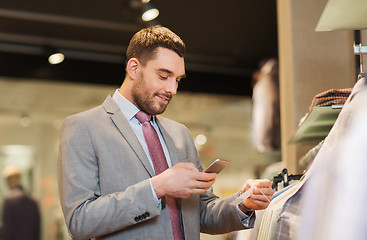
x=104, y=181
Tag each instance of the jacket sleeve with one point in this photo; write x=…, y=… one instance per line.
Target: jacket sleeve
x=218, y=216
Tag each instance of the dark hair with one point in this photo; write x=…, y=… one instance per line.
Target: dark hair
x=144, y=43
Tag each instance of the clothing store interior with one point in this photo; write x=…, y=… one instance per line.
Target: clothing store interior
x=265, y=83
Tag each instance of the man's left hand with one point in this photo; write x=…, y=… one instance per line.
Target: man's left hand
x=261, y=195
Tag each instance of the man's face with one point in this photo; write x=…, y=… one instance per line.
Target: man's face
x=157, y=81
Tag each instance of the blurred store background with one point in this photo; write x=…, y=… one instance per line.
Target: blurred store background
x=226, y=43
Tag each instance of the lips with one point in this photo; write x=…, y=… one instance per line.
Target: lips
x=164, y=98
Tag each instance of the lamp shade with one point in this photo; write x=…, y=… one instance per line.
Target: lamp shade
x=343, y=15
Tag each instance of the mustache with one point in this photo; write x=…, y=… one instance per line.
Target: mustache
x=165, y=95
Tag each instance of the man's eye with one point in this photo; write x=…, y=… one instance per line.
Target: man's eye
x=163, y=77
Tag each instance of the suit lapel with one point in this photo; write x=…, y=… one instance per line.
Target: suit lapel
x=168, y=139
x=126, y=131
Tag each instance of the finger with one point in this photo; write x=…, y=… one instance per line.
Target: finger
x=197, y=188
x=198, y=191
x=263, y=183
x=203, y=184
x=265, y=191
x=248, y=184
x=205, y=177
x=186, y=194
x=255, y=204
x=258, y=183
x=260, y=197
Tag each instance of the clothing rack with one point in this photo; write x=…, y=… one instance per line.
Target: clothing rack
x=285, y=178
x=360, y=50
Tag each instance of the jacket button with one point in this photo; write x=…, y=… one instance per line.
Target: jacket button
x=145, y=215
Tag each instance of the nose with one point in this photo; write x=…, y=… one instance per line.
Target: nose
x=171, y=87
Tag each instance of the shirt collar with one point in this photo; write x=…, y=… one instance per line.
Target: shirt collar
x=126, y=107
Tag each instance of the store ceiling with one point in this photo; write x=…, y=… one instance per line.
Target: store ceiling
x=225, y=40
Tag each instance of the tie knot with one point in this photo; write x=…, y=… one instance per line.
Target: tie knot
x=143, y=117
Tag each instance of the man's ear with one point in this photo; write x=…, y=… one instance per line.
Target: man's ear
x=132, y=67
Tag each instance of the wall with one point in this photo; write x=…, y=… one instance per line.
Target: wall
x=310, y=62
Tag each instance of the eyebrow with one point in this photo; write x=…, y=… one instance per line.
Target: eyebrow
x=170, y=72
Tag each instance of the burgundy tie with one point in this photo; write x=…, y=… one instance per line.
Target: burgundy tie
x=160, y=164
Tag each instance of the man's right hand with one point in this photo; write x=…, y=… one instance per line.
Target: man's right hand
x=181, y=181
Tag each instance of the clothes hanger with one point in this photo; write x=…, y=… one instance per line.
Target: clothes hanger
x=360, y=50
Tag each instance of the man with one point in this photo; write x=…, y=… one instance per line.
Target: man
x=111, y=186
x=21, y=218
x=266, y=113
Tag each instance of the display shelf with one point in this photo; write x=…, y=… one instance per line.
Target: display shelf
x=317, y=124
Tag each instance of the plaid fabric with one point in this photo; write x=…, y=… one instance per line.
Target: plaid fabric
x=289, y=218
x=331, y=97
x=273, y=213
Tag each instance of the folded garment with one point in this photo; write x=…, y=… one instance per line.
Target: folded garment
x=331, y=97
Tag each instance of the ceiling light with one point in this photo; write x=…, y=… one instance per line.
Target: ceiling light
x=145, y=1
x=56, y=58
x=150, y=14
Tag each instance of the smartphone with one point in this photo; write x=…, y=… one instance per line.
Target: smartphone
x=217, y=166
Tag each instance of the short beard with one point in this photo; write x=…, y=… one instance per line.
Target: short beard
x=141, y=98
